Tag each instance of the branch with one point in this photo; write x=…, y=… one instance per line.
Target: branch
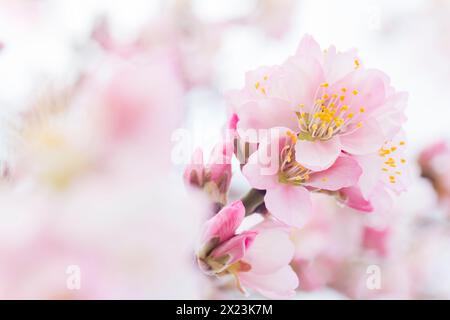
x=252, y=200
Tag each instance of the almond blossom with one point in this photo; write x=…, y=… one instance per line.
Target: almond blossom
x=327, y=98
x=288, y=183
x=257, y=258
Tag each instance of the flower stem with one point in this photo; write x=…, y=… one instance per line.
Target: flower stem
x=252, y=200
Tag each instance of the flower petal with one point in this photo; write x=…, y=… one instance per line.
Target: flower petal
x=271, y=250
x=345, y=172
x=255, y=174
x=338, y=64
x=235, y=247
x=278, y=285
x=289, y=204
x=353, y=198
x=262, y=167
x=317, y=155
x=367, y=139
x=310, y=48
x=224, y=224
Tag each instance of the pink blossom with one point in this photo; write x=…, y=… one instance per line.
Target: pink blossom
x=328, y=99
x=384, y=173
x=288, y=183
x=214, y=178
x=257, y=258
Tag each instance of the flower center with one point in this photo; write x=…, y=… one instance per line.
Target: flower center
x=332, y=113
x=290, y=171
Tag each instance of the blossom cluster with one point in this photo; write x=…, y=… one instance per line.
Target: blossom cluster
x=319, y=123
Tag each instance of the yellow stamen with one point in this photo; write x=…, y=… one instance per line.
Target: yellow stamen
x=292, y=136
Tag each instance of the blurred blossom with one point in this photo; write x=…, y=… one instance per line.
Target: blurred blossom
x=215, y=177
x=434, y=162
x=274, y=17
x=123, y=232
x=88, y=191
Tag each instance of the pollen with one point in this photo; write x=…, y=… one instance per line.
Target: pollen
x=265, y=78
x=355, y=92
x=403, y=161
x=402, y=143
x=357, y=64
x=391, y=163
x=292, y=136
x=344, y=108
x=257, y=84
x=344, y=89
x=350, y=115
x=362, y=109
x=384, y=152
x=342, y=98
x=338, y=121
x=263, y=91
x=359, y=125
x=324, y=85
